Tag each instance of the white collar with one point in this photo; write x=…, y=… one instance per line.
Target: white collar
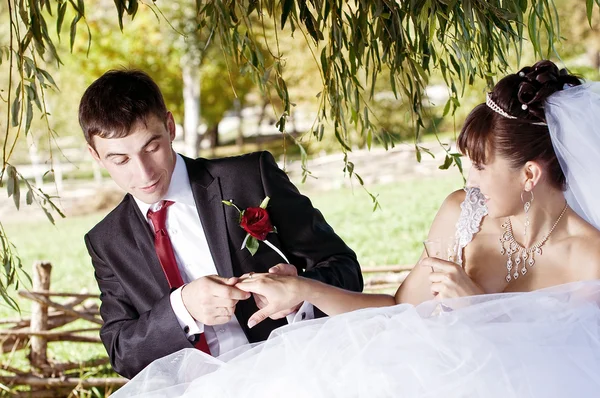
x=180, y=190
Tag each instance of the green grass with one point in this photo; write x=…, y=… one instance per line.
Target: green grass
x=391, y=235
x=62, y=245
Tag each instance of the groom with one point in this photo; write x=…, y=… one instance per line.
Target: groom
x=168, y=256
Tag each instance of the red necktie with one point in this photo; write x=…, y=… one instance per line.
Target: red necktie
x=166, y=256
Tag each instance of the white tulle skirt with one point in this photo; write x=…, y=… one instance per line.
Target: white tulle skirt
x=539, y=344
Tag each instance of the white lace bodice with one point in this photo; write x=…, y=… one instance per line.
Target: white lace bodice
x=473, y=209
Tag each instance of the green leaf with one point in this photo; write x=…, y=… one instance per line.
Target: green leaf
x=324, y=61
x=29, y=197
x=74, y=30
x=427, y=151
x=447, y=107
x=62, y=9
x=264, y=203
x=48, y=77
x=226, y=202
x=120, y=10
x=447, y=163
x=17, y=192
x=589, y=9
x=458, y=161
x=132, y=8
x=48, y=215
x=29, y=116
x=342, y=141
x=288, y=5
x=16, y=106
x=252, y=5
x=281, y=124
x=252, y=245
x=310, y=24
x=10, y=186
x=13, y=185
x=359, y=178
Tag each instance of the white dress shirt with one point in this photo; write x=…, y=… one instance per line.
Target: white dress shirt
x=194, y=261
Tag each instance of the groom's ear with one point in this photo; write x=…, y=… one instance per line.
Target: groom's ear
x=94, y=153
x=533, y=173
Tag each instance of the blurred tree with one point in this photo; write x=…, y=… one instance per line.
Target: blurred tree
x=580, y=30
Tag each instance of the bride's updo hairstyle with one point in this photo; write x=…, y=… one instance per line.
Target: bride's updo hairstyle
x=512, y=122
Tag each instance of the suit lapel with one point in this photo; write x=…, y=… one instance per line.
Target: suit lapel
x=207, y=195
x=145, y=242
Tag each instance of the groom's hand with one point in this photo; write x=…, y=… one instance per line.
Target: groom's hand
x=212, y=299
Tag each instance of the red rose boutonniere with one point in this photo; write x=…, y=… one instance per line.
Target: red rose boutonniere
x=256, y=222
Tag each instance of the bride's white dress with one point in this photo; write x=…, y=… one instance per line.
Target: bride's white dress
x=538, y=344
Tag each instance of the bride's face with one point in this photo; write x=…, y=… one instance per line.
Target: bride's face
x=500, y=184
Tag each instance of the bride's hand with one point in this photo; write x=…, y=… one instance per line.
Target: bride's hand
x=261, y=301
x=280, y=292
x=449, y=279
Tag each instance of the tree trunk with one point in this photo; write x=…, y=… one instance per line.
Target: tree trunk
x=191, y=105
x=240, y=136
x=213, y=136
x=261, y=118
x=39, y=315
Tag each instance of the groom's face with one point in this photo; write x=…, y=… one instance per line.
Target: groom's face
x=141, y=163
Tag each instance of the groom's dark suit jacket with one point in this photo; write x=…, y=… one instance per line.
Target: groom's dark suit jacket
x=140, y=325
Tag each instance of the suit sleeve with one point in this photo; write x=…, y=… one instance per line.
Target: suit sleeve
x=133, y=340
x=305, y=234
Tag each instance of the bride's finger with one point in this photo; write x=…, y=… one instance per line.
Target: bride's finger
x=260, y=300
x=436, y=288
x=251, y=277
x=251, y=285
x=438, y=277
x=438, y=265
x=261, y=315
x=247, y=276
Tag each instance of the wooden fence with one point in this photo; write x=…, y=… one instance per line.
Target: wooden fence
x=47, y=378
x=387, y=277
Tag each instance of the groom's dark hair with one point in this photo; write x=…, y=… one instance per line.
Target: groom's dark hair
x=116, y=101
x=521, y=134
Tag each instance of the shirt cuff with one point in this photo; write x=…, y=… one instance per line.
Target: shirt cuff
x=304, y=313
x=190, y=326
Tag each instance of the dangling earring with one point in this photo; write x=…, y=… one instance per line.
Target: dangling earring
x=526, y=207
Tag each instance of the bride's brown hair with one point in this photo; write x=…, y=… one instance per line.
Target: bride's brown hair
x=526, y=137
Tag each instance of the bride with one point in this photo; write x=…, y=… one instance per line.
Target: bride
x=514, y=314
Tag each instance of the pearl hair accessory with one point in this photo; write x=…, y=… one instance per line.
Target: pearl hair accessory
x=496, y=108
x=493, y=106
